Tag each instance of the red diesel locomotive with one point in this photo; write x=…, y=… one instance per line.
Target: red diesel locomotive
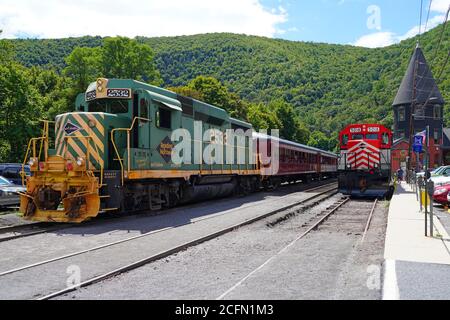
x=365, y=161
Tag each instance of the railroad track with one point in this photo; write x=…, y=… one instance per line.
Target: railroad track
x=25, y=230
x=313, y=225
x=14, y=232
x=323, y=193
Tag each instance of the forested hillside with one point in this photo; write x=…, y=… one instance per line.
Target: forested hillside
x=328, y=86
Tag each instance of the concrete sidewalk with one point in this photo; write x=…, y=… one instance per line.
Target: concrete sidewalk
x=416, y=267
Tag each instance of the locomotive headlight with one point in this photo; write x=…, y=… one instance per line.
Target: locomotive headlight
x=80, y=162
x=33, y=162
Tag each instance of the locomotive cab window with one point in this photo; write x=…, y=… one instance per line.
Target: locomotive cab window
x=357, y=137
x=345, y=139
x=372, y=136
x=163, y=118
x=109, y=106
x=144, y=109
x=385, y=138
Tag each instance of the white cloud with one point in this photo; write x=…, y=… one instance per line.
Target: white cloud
x=440, y=6
x=387, y=38
x=376, y=40
x=63, y=18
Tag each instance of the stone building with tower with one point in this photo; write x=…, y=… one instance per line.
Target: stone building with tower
x=419, y=104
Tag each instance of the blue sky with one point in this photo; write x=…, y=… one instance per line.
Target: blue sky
x=331, y=21
x=344, y=21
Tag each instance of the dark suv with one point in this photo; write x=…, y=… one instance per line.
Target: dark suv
x=11, y=171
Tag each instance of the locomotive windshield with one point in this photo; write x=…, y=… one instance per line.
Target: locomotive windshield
x=372, y=136
x=114, y=106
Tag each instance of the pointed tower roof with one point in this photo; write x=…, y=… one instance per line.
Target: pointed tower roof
x=424, y=82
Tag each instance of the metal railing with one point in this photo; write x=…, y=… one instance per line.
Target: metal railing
x=44, y=144
x=119, y=158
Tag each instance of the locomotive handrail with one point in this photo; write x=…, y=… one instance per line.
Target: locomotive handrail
x=43, y=144
x=119, y=158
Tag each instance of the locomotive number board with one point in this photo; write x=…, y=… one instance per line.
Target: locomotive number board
x=110, y=93
x=91, y=95
x=118, y=93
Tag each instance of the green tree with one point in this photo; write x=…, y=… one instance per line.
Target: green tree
x=20, y=110
x=291, y=126
x=319, y=140
x=124, y=58
x=83, y=67
x=212, y=91
x=261, y=117
x=6, y=51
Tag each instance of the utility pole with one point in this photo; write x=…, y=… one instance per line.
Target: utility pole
x=411, y=118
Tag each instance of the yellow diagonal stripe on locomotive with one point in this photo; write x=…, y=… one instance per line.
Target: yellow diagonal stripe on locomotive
x=61, y=141
x=81, y=121
x=96, y=149
x=97, y=136
x=78, y=144
x=81, y=142
x=59, y=137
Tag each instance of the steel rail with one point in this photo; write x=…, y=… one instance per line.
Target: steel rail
x=25, y=227
x=369, y=220
x=138, y=213
x=127, y=240
x=303, y=235
x=187, y=245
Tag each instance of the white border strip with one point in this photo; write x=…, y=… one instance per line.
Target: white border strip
x=390, y=284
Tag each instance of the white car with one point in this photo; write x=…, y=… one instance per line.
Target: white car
x=441, y=180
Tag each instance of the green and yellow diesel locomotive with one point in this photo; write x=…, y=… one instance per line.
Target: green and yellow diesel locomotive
x=114, y=154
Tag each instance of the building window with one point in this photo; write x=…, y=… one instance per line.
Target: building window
x=437, y=114
x=401, y=114
x=437, y=137
x=420, y=113
x=400, y=134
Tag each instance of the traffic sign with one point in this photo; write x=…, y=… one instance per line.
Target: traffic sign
x=418, y=144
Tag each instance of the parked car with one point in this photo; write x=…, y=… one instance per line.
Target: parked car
x=11, y=171
x=441, y=194
x=448, y=198
x=9, y=192
x=436, y=172
x=441, y=180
